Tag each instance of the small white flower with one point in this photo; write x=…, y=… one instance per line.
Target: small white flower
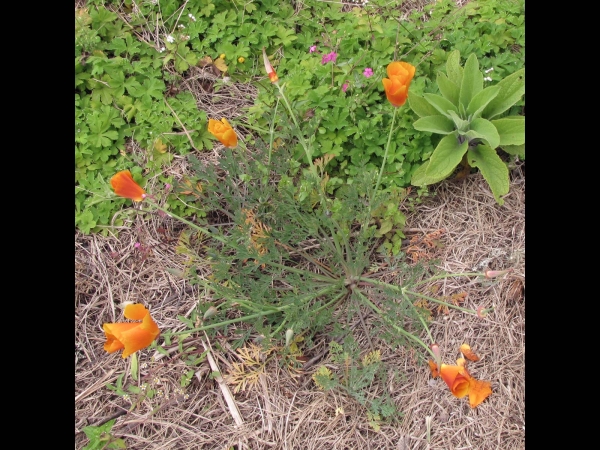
x=181, y=25
x=191, y=16
x=489, y=70
x=162, y=49
x=170, y=39
x=487, y=79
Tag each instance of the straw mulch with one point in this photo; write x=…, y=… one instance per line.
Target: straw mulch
x=285, y=410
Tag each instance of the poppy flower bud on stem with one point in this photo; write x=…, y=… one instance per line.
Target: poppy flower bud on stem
x=437, y=353
x=289, y=334
x=496, y=273
x=269, y=68
x=210, y=312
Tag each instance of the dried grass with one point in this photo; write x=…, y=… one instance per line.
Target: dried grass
x=285, y=412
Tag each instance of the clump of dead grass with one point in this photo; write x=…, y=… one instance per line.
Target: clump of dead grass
x=287, y=411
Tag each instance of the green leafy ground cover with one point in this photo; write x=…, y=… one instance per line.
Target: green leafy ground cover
x=130, y=56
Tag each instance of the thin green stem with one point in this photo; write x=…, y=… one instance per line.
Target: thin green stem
x=303, y=272
x=426, y=328
x=271, y=133
x=326, y=305
x=254, y=316
x=449, y=275
x=440, y=302
x=187, y=222
x=279, y=328
x=387, y=148
x=229, y=322
x=300, y=135
x=405, y=291
x=392, y=324
x=251, y=127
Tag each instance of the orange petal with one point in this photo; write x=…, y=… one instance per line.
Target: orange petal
x=223, y=131
x=114, y=333
x=395, y=90
x=124, y=186
x=457, y=378
x=135, y=311
x=466, y=350
x=131, y=336
x=478, y=391
x=434, y=369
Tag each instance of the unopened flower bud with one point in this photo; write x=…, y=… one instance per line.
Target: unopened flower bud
x=496, y=273
x=482, y=312
x=438, y=354
x=289, y=334
x=210, y=312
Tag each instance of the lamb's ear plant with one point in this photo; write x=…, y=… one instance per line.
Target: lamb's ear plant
x=469, y=117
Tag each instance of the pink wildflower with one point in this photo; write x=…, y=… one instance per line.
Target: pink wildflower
x=345, y=87
x=368, y=72
x=329, y=57
x=312, y=49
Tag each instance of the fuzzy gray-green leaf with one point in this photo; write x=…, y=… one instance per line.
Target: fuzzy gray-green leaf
x=448, y=89
x=472, y=81
x=420, y=106
x=420, y=178
x=441, y=104
x=435, y=124
x=492, y=168
x=481, y=100
x=511, y=130
x=512, y=89
x=460, y=124
x=446, y=156
x=453, y=68
x=515, y=150
x=484, y=129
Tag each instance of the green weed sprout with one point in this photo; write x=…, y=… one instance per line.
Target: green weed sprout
x=469, y=116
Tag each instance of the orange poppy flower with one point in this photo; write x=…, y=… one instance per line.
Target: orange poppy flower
x=124, y=186
x=223, y=132
x=461, y=383
x=132, y=336
x=269, y=68
x=400, y=75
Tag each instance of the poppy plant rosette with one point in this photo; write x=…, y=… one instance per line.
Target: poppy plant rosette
x=131, y=336
x=124, y=186
x=223, y=131
x=400, y=74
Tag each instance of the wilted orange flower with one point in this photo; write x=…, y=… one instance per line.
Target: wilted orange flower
x=132, y=336
x=465, y=349
x=124, y=186
x=461, y=383
x=400, y=75
x=223, y=132
x=269, y=68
